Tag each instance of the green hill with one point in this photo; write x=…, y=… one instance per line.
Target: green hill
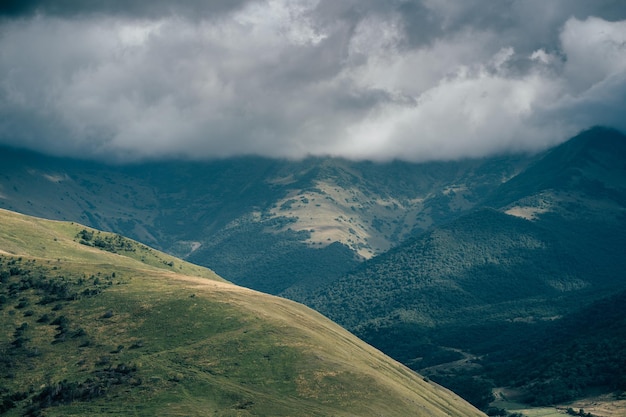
x=95, y=324
x=451, y=273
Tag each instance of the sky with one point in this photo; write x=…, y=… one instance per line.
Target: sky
x=416, y=80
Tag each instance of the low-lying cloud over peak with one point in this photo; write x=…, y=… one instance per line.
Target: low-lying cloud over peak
x=414, y=80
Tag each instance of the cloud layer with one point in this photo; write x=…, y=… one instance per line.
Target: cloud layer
x=414, y=80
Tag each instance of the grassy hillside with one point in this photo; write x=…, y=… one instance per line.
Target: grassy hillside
x=487, y=250
x=483, y=284
x=95, y=324
x=486, y=286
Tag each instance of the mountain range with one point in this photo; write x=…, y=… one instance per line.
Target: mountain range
x=280, y=219
x=428, y=262
x=541, y=247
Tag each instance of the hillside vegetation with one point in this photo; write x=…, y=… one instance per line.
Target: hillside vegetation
x=95, y=324
x=265, y=224
x=486, y=291
x=567, y=358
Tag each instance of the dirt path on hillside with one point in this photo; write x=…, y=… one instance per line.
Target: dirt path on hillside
x=467, y=362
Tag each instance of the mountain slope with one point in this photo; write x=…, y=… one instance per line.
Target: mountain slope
x=552, y=241
x=566, y=358
x=490, y=256
x=247, y=218
x=451, y=271
x=95, y=324
x=486, y=250
x=581, y=179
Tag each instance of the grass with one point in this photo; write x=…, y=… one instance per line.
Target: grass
x=527, y=411
x=59, y=240
x=84, y=331
x=603, y=405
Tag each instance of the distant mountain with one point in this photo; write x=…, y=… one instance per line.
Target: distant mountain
x=552, y=241
x=482, y=260
x=581, y=179
x=92, y=323
x=509, y=252
x=274, y=225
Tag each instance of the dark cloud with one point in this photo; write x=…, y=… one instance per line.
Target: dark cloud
x=128, y=8
x=415, y=80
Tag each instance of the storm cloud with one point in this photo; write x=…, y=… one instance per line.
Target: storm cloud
x=413, y=80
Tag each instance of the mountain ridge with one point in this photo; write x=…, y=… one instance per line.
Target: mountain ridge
x=495, y=275
x=312, y=210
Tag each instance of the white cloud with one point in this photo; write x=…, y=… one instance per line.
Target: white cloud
x=288, y=18
x=595, y=50
x=542, y=56
x=279, y=79
x=468, y=115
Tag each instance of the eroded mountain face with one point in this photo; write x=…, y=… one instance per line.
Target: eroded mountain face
x=248, y=218
x=278, y=224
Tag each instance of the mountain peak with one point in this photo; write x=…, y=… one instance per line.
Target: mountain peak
x=588, y=166
x=581, y=147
